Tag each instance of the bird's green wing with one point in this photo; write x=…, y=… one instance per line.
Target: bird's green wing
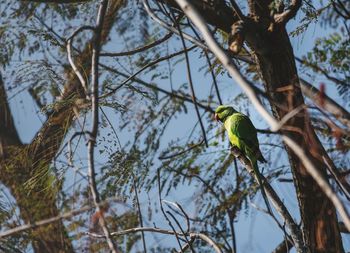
x=244, y=129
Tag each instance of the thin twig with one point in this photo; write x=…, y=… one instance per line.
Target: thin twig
x=210, y=65
x=189, y=78
x=189, y=242
x=139, y=49
x=169, y=27
x=237, y=10
x=182, y=231
x=165, y=157
x=178, y=206
x=113, y=90
x=171, y=94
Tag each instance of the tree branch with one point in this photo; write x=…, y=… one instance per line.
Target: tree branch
x=94, y=117
x=292, y=10
x=50, y=220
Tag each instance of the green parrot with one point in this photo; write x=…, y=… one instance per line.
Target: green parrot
x=243, y=135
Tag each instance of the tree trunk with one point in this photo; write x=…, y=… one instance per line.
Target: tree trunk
x=25, y=169
x=274, y=55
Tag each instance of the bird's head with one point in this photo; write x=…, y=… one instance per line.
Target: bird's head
x=223, y=111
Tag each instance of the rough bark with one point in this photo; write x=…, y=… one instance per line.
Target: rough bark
x=25, y=168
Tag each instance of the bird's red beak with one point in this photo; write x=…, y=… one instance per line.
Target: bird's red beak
x=217, y=117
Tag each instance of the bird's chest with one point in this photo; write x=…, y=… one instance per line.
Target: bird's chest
x=230, y=128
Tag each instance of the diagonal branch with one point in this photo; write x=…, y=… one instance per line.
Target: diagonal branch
x=276, y=201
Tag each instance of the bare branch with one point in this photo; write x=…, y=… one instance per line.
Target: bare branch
x=44, y=222
x=162, y=231
x=94, y=115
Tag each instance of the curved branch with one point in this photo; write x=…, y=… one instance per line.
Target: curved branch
x=71, y=61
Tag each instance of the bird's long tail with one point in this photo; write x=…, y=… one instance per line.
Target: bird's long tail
x=261, y=185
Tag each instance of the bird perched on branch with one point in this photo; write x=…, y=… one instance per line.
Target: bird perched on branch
x=243, y=135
